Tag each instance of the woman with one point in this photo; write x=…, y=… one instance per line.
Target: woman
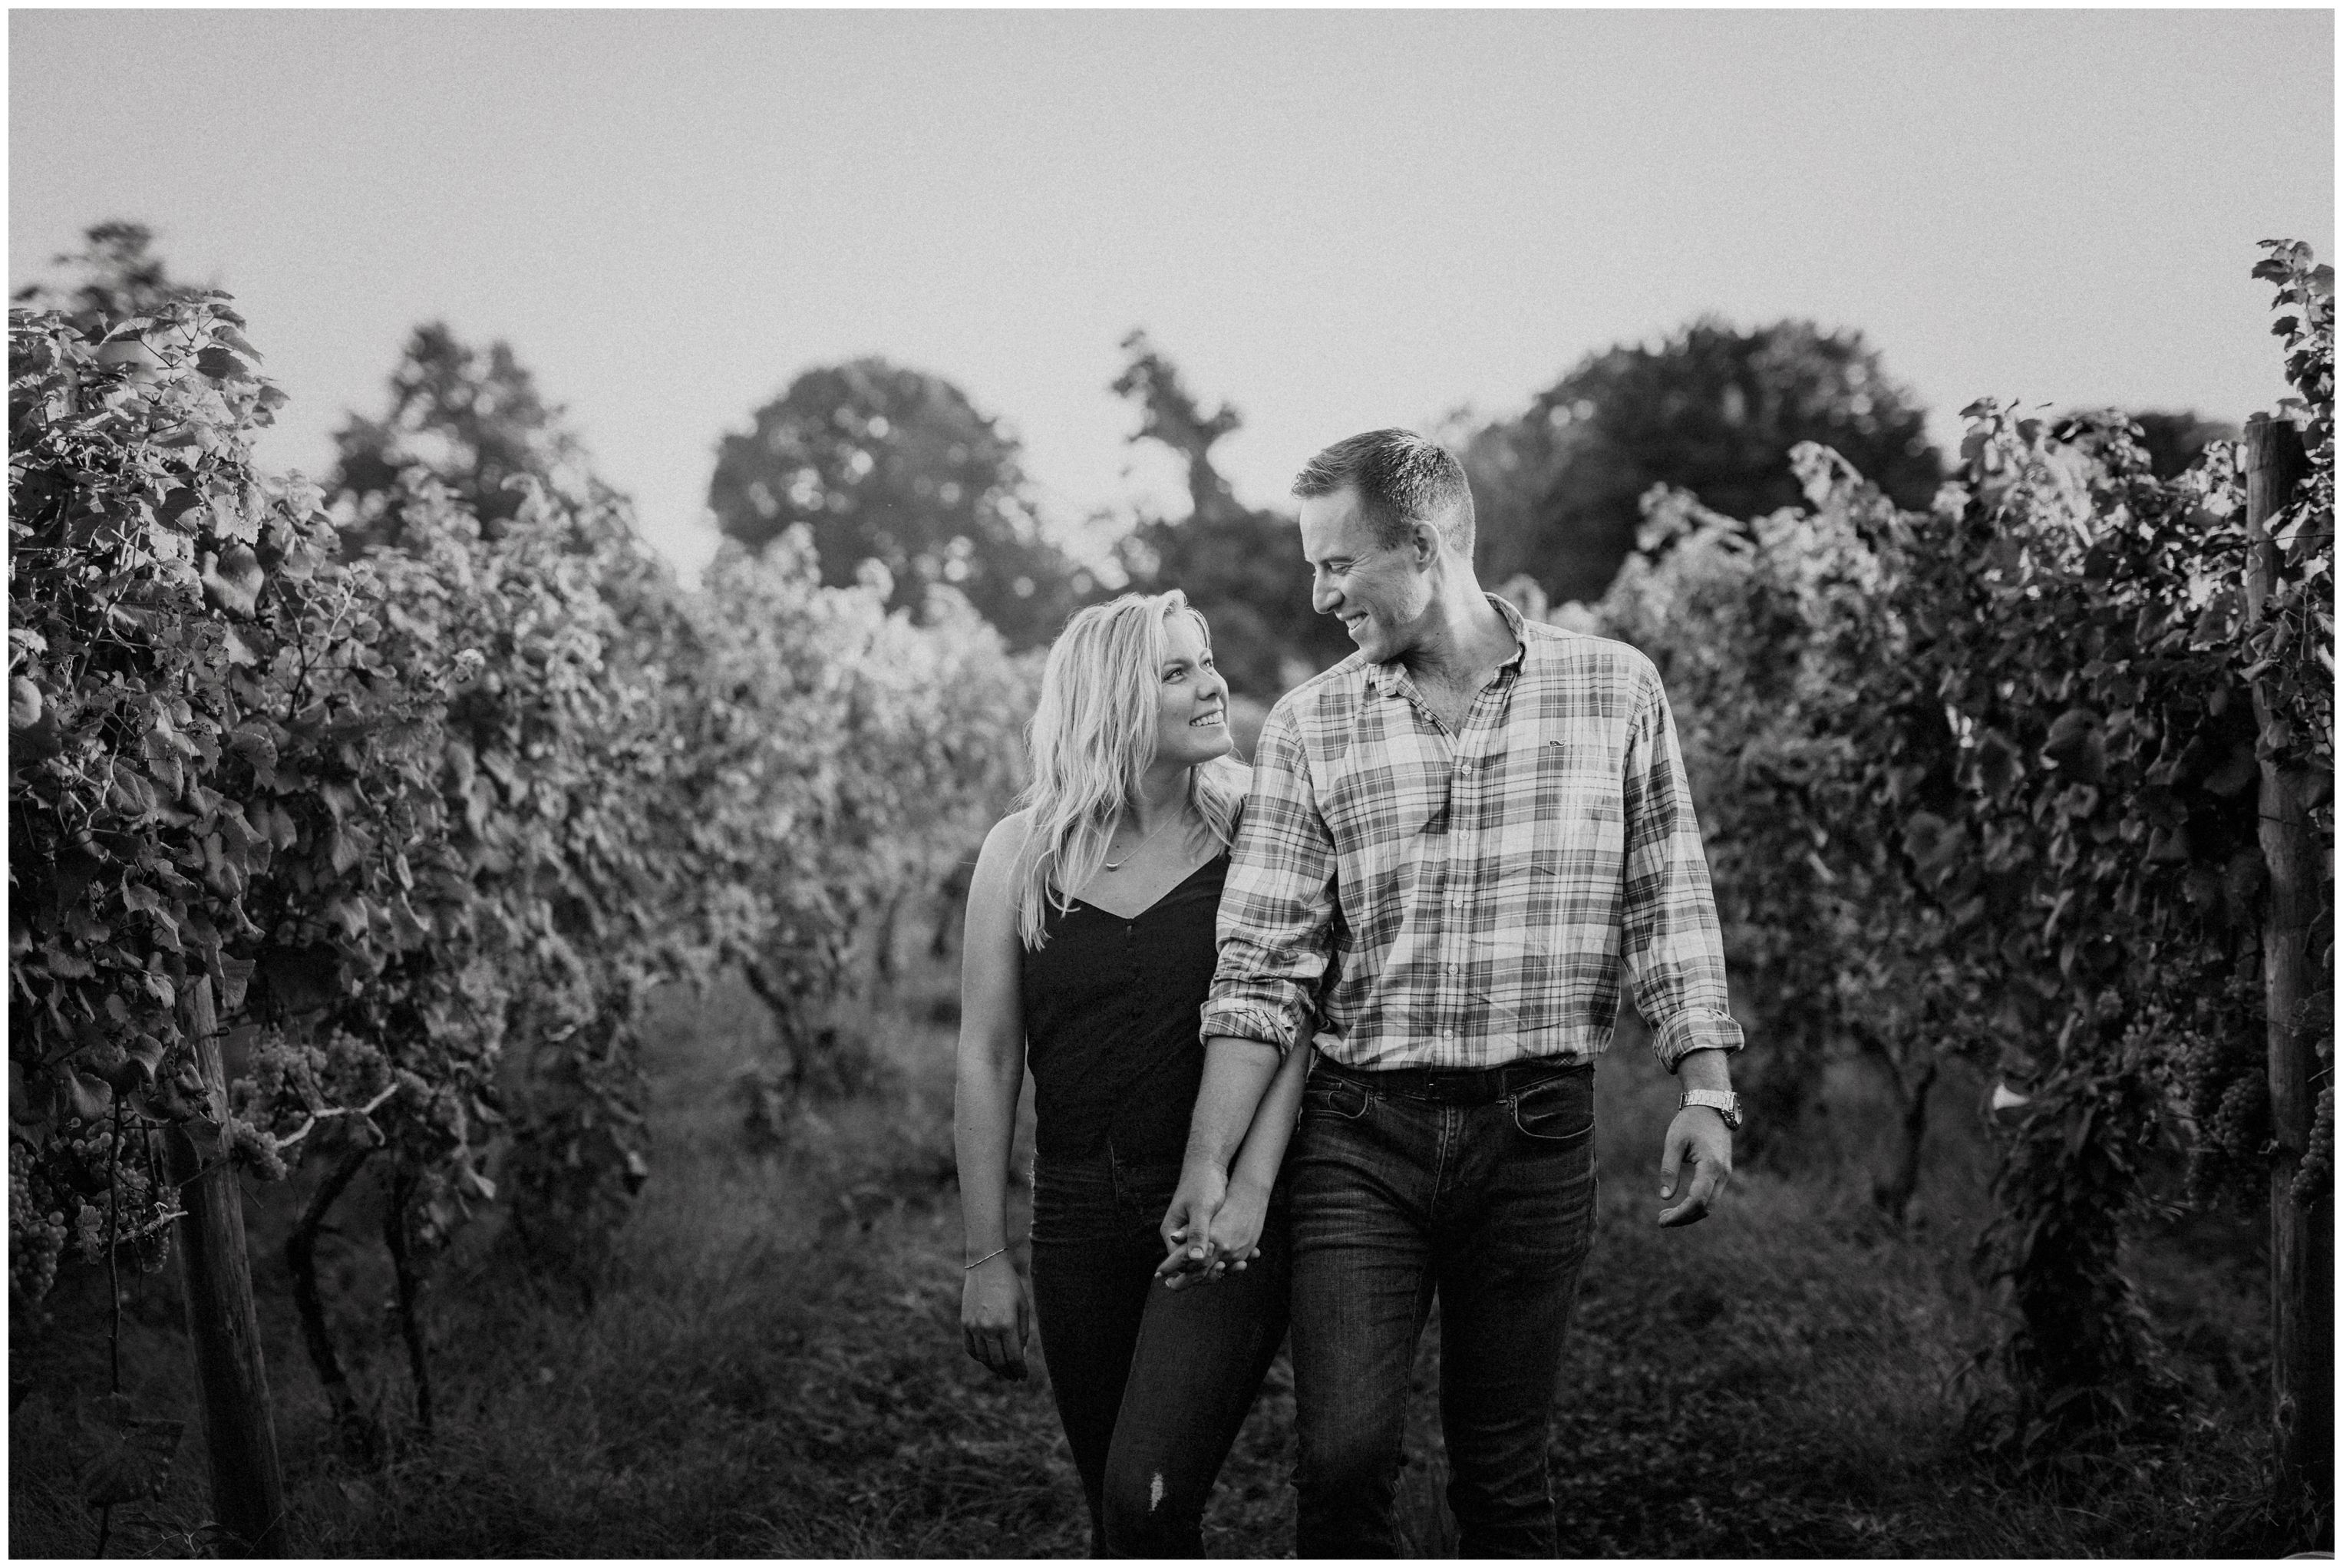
x=1090, y=948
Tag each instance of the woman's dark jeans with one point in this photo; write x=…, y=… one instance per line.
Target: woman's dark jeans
x=1404, y=1186
x=1152, y=1385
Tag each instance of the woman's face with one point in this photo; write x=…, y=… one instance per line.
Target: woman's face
x=1191, y=715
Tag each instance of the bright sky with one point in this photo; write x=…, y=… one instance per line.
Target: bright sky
x=1335, y=220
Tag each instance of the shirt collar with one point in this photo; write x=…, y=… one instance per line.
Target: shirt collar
x=1392, y=676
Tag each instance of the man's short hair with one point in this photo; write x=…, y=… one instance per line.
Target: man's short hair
x=1402, y=479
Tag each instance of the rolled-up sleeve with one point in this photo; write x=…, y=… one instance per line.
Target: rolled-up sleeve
x=1670, y=940
x=1277, y=907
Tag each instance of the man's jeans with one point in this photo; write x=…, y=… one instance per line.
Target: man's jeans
x=1152, y=1385
x=1479, y=1186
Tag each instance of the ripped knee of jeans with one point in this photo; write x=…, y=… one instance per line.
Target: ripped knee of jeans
x=1149, y=1520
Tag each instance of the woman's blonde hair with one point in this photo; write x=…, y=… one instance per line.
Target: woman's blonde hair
x=1092, y=738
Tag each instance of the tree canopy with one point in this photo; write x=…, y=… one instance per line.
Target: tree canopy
x=2175, y=441
x=472, y=418
x=115, y=275
x=1242, y=568
x=885, y=463
x=1711, y=410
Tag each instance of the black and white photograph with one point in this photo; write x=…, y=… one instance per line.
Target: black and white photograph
x=1031, y=783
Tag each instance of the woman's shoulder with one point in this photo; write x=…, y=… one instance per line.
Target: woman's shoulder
x=1003, y=844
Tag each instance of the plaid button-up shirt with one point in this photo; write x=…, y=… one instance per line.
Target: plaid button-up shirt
x=1423, y=899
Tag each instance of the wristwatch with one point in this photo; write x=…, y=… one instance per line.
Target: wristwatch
x=1725, y=1102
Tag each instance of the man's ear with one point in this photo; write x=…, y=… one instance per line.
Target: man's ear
x=1424, y=544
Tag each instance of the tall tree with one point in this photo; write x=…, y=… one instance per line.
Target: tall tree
x=1242, y=569
x=116, y=274
x=474, y=419
x=1711, y=411
x=889, y=464
x=2175, y=440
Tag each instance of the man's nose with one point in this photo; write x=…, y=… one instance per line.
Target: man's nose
x=1323, y=596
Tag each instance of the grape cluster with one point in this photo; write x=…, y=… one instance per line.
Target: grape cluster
x=67, y=1199
x=2238, y=1122
x=2216, y=1066
x=2199, y=1072
x=350, y=1068
x=249, y=1143
x=2315, y=1178
x=37, y=1233
x=2229, y=1102
x=268, y=1072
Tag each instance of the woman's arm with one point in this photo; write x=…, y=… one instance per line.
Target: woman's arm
x=1233, y=1232
x=995, y=1314
x=1276, y=929
x=1273, y=1125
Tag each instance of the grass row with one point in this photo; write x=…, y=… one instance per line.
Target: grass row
x=774, y=1369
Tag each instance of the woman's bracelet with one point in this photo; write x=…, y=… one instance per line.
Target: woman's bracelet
x=986, y=1259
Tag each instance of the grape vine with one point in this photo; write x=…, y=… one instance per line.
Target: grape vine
x=409, y=812
x=1983, y=779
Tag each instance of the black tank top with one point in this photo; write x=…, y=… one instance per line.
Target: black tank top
x=1112, y=1007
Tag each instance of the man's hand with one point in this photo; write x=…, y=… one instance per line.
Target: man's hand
x=995, y=1316
x=1187, y=1228
x=1232, y=1239
x=1698, y=1134
x=1235, y=1237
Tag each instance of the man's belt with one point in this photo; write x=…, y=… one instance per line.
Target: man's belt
x=1456, y=1085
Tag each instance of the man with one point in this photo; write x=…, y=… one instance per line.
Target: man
x=1454, y=840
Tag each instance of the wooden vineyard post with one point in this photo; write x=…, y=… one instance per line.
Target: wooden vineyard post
x=223, y=1330
x=2302, y=1242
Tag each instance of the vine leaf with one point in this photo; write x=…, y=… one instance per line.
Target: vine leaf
x=90, y=1097
x=131, y=1455
x=2078, y=745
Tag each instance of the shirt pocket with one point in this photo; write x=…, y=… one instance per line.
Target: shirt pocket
x=1558, y=860
x=1577, y=818
x=1378, y=806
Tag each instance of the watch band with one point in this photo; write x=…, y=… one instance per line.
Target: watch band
x=1725, y=1102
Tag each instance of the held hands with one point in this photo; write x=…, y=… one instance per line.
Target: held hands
x=1700, y=1135
x=1187, y=1223
x=1235, y=1235
x=995, y=1317
x=1208, y=1227
x=1232, y=1239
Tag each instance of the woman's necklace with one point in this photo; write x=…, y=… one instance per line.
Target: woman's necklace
x=1127, y=854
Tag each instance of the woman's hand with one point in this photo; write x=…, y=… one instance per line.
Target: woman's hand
x=995, y=1316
